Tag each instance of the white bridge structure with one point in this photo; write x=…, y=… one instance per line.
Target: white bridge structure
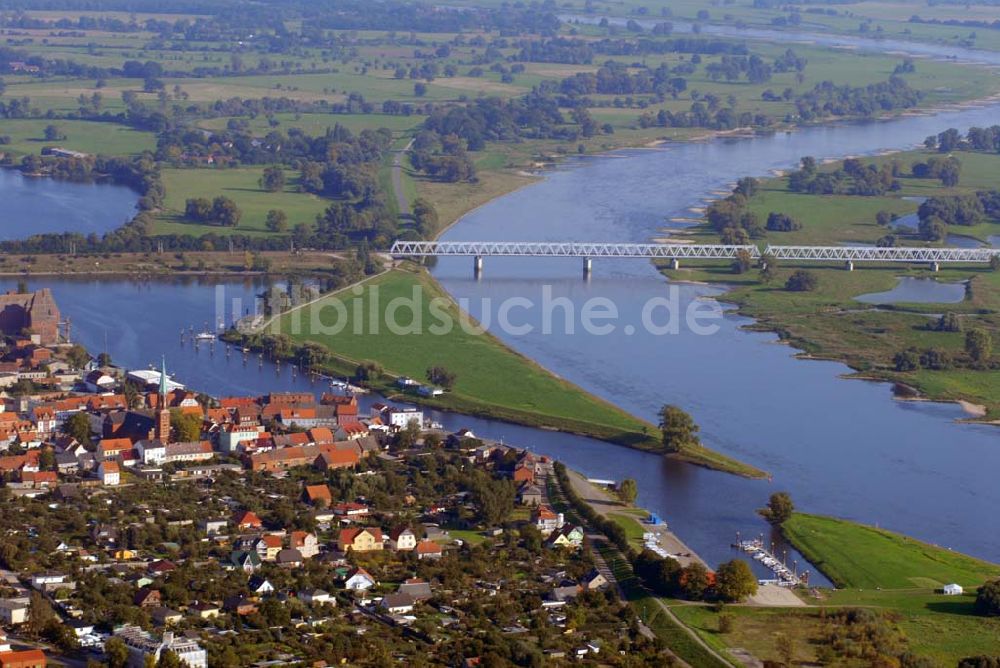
x=847, y=255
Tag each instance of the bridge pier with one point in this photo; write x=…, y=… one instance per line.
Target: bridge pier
x=675, y=263
x=587, y=267
x=477, y=266
x=935, y=266
x=849, y=265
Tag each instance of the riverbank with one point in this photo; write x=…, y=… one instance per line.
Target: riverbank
x=830, y=322
x=897, y=578
x=491, y=381
x=167, y=264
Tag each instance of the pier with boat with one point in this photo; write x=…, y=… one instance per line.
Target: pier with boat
x=784, y=576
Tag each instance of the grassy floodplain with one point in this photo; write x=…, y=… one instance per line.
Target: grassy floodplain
x=492, y=380
x=243, y=187
x=27, y=137
x=830, y=323
x=877, y=569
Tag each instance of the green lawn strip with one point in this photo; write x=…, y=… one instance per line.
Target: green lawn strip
x=243, y=187
x=27, y=137
x=627, y=521
x=488, y=374
x=859, y=556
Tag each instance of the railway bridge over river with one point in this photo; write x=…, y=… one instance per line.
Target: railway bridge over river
x=847, y=256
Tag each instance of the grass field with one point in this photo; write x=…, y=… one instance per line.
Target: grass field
x=875, y=568
x=240, y=185
x=28, y=137
x=489, y=376
x=859, y=556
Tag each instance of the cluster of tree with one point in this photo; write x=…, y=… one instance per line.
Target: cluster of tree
x=802, y=280
x=937, y=213
x=534, y=116
x=779, y=508
x=963, y=23
x=678, y=430
x=556, y=50
x=419, y=17
x=695, y=45
x=947, y=169
x=988, y=599
x=827, y=99
x=978, y=352
x=780, y=222
x=706, y=113
x=853, y=177
x=732, y=581
x=219, y=211
x=613, y=78
x=442, y=376
x=732, y=68
x=732, y=218
x=443, y=157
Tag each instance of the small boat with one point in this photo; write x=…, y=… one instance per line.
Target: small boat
x=204, y=336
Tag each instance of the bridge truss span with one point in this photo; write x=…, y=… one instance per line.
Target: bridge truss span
x=569, y=249
x=880, y=254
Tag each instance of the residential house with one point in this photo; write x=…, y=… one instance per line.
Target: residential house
x=204, y=610
x=397, y=604
x=402, y=539
x=109, y=448
x=316, y=597
x=28, y=658
x=99, y=381
x=545, y=520
x=151, y=452
x=147, y=598
x=360, y=539
x=530, y=495
x=260, y=586
x=109, y=473
x=14, y=612
x=305, y=542
x=318, y=495
x=350, y=510
x=359, y=580
x=594, y=580
x=247, y=561
x=144, y=648
x=417, y=589
x=330, y=460
x=195, y=451
x=402, y=418
x=268, y=546
x=239, y=605
x=289, y=558
x=214, y=527
x=427, y=549
x=349, y=431
x=165, y=616
x=568, y=536
x=246, y=519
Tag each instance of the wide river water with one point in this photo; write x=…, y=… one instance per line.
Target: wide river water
x=841, y=447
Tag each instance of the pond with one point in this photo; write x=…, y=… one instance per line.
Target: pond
x=919, y=291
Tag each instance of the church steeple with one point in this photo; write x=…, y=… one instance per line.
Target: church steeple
x=163, y=415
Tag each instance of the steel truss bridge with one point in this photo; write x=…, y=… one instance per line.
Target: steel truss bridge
x=847, y=255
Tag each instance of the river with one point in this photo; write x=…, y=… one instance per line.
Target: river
x=36, y=205
x=840, y=447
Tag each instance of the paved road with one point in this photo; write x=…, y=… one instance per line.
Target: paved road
x=397, y=179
